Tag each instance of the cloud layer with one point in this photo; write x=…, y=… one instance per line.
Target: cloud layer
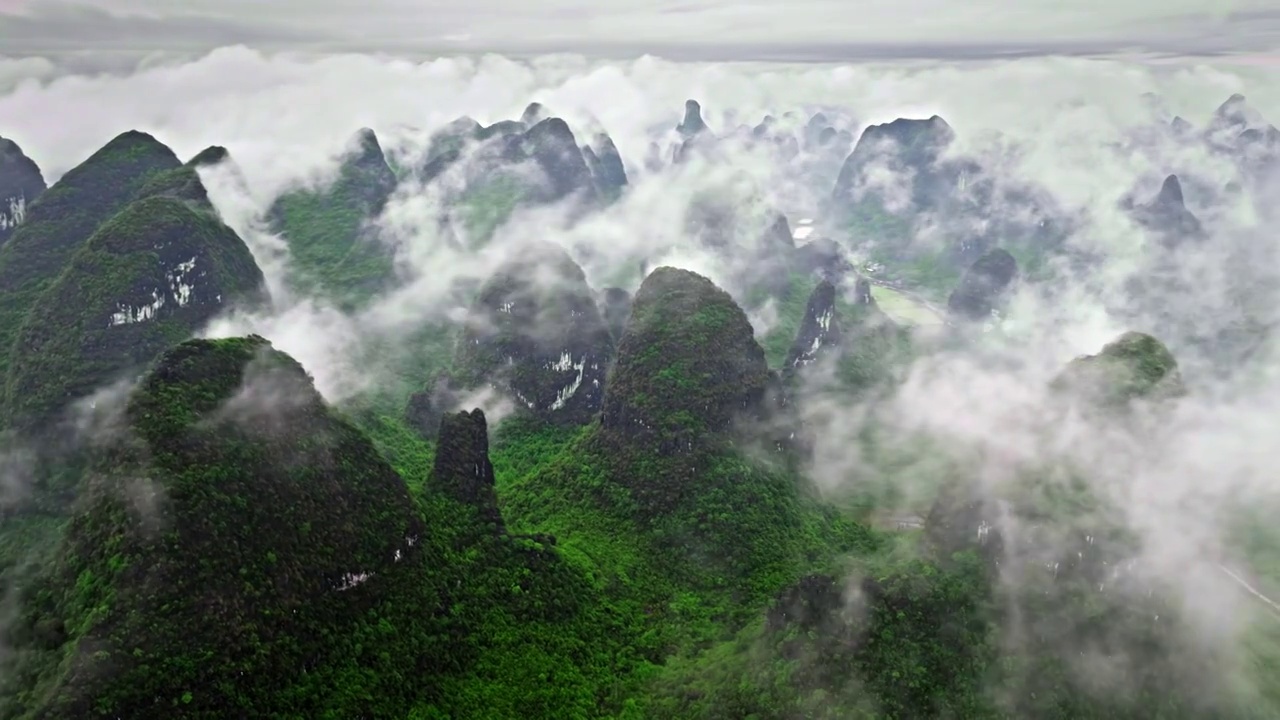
x=1079, y=129
x=505, y=25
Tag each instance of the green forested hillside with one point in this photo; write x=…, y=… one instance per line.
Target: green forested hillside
x=552, y=500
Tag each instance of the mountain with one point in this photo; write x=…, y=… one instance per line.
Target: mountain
x=152, y=275
x=687, y=365
x=462, y=467
x=20, y=184
x=333, y=248
x=1167, y=215
x=223, y=536
x=1089, y=583
x=781, y=488
x=984, y=286
x=903, y=144
x=694, y=134
x=212, y=155
x=494, y=171
x=692, y=124
x=845, y=344
x=535, y=335
x=63, y=218
x=1134, y=365
x=605, y=165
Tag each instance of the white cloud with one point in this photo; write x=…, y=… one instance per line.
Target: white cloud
x=1066, y=124
x=496, y=24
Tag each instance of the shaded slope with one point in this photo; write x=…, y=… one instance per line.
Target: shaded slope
x=983, y=286
x=1167, y=215
x=535, y=334
x=263, y=525
x=20, y=184
x=688, y=364
x=151, y=276
x=332, y=248
x=64, y=217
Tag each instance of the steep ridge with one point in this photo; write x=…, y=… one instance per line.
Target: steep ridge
x=151, y=276
x=20, y=184
x=331, y=244
x=232, y=527
x=687, y=364
x=535, y=334
x=62, y=219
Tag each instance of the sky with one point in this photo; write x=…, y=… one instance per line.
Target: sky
x=705, y=29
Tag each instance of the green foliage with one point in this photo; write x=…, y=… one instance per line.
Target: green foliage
x=333, y=250
x=790, y=307
x=687, y=363
x=328, y=247
x=240, y=549
x=208, y=553
x=1132, y=366
x=910, y=641
x=64, y=217
x=180, y=263
x=488, y=205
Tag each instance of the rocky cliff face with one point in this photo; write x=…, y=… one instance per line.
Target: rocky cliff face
x=536, y=335
x=154, y=274
x=462, y=468
x=20, y=184
x=819, y=330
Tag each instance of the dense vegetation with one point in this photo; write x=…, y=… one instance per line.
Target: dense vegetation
x=639, y=526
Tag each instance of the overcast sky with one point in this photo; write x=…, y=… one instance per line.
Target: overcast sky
x=826, y=28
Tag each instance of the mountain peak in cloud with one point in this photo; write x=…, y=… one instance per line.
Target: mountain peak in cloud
x=692, y=124
x=212, y=155
x=1171, y=193
x=533, y=114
